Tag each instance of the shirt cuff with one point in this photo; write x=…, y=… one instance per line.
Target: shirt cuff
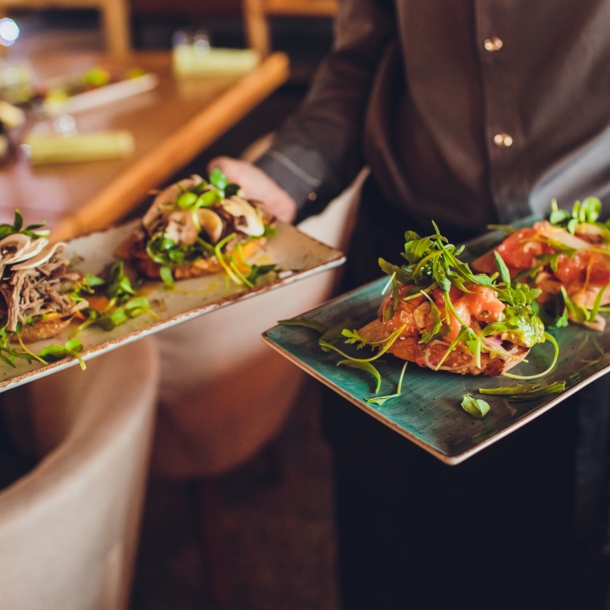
x=301, y=181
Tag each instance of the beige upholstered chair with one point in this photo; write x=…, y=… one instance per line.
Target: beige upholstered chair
x=68, y=529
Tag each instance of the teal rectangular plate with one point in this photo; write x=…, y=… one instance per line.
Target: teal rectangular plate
x=429, y=411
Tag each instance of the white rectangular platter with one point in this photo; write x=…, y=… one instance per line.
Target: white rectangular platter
x=298, y=254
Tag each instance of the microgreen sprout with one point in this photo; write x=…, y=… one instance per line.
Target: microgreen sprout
x=123, y=301
x=474, y=406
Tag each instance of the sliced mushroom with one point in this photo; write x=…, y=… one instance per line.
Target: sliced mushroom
x=47, y=252
x=252, y=223
x=181, y=228
x=164, y=202
x=12, y=246
x=211, y=223
x=35, y=246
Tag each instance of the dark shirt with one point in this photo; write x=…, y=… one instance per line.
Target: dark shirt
x=468, y=112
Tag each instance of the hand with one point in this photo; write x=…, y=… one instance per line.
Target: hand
x=257, y=185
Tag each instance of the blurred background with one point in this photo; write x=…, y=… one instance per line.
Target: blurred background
x=272, y=512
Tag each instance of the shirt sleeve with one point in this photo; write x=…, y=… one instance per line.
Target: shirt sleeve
x=318, y=152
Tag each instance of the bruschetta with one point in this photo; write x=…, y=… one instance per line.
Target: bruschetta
x=197, y=227
x=566, y=257
x=439, y=314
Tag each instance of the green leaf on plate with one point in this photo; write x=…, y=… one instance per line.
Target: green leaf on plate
x=306, y=322
x=364, y=366
x=474, y=406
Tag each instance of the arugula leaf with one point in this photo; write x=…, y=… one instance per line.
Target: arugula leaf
x=438, y=331
x=381, y=400
x=474, y=406
x=578, y=313
x=364, y=366
x=503, y=269
x=306, y=322
x=399, y=273
x=336, y=332
x=353, y=336
x=506, y=229
x=525, y=391
x=388, y=344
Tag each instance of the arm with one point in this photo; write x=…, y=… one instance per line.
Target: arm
x=317, y=153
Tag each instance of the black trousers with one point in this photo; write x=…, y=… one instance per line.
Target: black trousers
x=518, y=526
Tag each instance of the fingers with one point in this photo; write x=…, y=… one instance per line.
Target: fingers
x=225, y=164
x=257, y=185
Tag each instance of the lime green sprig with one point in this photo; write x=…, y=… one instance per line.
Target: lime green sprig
x=221, y=259
x=28, y=351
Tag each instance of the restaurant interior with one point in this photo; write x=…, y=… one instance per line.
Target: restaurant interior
x=248, y=523
x=162, y=445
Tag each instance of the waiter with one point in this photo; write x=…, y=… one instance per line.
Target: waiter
x=468, y=112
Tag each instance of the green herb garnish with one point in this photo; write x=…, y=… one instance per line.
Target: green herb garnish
x=124, y=302
x=381, y=400
x=54, y=353
x=474, y=406
x=363, y=366
x=525, y=391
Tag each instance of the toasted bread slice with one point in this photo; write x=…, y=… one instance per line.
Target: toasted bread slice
x=147, y=267
x=43, y=329
x=459, y=360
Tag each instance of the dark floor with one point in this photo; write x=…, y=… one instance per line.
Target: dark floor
x=278, y=536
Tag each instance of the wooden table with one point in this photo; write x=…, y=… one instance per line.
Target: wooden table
x=170, y=124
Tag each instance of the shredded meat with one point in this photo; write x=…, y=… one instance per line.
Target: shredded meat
x=38, y=291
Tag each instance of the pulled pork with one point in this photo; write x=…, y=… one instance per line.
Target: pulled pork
x=38, y=291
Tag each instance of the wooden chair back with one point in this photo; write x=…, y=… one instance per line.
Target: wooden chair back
x=257, y=13
x=114, y=15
